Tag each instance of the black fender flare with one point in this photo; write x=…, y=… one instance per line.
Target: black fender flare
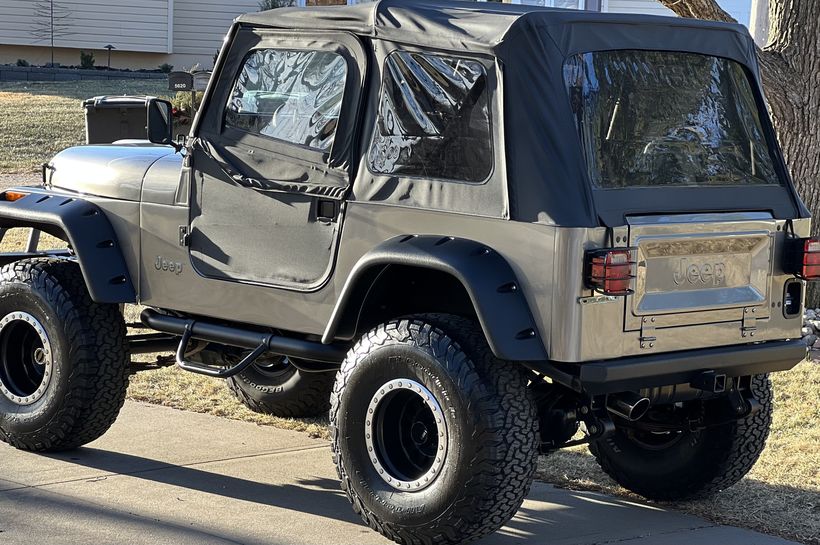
x=490, y=282
x=84, y=225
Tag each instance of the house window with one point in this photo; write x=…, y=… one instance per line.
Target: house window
x=289, y=95
x=434, y=119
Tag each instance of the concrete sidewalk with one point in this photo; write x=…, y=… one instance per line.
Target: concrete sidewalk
x=163, y=476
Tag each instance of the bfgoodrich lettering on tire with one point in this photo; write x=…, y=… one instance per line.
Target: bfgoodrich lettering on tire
x=434, y=439
x=63, y=358
x=275, y=386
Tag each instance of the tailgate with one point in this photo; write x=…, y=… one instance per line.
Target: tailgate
x=700, y=269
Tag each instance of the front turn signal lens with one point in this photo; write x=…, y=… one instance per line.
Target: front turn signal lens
x=13, y=196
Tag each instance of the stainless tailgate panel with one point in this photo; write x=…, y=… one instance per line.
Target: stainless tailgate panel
x=700, y=269
x=701, y=272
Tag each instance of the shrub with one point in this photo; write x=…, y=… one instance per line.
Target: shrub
x=265, y=5
x=182, y=100
x=87, y=60
x=166, y=68
x=182, y=106
x=23, y=63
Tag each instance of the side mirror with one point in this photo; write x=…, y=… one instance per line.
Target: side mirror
x=160, y=122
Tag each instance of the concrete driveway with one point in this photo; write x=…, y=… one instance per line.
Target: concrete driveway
x=163, y=476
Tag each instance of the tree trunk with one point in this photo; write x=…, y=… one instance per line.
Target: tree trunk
x=790, y=65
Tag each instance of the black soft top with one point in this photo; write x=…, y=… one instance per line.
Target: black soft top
x=462, y=25
x=545, y=168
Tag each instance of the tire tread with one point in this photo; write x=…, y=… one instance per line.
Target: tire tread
x=311, y=399
x=506, y=427
x=732, y=452
x=97, y=345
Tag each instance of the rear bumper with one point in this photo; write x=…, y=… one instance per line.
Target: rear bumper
x=634, y=373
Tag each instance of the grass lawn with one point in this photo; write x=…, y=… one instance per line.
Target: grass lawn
x=780, y=496
x=41, y=118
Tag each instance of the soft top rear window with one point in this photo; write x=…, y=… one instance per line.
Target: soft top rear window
x=655, y=118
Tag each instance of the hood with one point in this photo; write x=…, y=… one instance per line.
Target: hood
x=115, y=170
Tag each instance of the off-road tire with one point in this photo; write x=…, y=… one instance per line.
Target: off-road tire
x=90, y=357
x=701, y=464
x=290, y=394
x=491, y=420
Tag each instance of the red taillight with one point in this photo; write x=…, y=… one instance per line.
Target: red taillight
x=803, y=258
x=810, y=260
x=610, y=271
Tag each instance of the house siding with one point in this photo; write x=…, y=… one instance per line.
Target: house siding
x=647, y=7
x=200, y=25
x=145, y=33
x=90, y=24
x=739, y=9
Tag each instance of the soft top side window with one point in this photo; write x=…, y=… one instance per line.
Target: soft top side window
x=289, y=95
x=433, y=119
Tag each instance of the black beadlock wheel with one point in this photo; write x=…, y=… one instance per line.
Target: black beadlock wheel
x=274, y=386
x=688, y=464
x=63, y=358
x=434, y=439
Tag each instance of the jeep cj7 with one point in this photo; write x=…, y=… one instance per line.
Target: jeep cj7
x=473, y=233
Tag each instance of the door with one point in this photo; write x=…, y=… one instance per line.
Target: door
x=271, y=159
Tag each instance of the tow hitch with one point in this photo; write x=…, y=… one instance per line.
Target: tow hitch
x=739, y=402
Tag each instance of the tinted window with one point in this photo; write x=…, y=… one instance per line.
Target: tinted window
x=289, y=95
x=434, y=119
x=652, y=118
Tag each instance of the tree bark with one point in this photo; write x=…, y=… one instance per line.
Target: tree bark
x=790, y=66
x=698, y=9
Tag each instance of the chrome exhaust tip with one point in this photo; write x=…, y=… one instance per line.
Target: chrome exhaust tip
x=628, y=405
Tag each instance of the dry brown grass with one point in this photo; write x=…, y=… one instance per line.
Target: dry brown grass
x=172, y=387
x=17, y=239
x=41, y=118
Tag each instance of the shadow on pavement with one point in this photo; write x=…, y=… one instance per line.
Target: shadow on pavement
x=316, y=496
x=754, y=503
x=550, y=513
x=231, y=508
x=71, y=520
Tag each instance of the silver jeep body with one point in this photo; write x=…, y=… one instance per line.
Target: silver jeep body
x=251, y=231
